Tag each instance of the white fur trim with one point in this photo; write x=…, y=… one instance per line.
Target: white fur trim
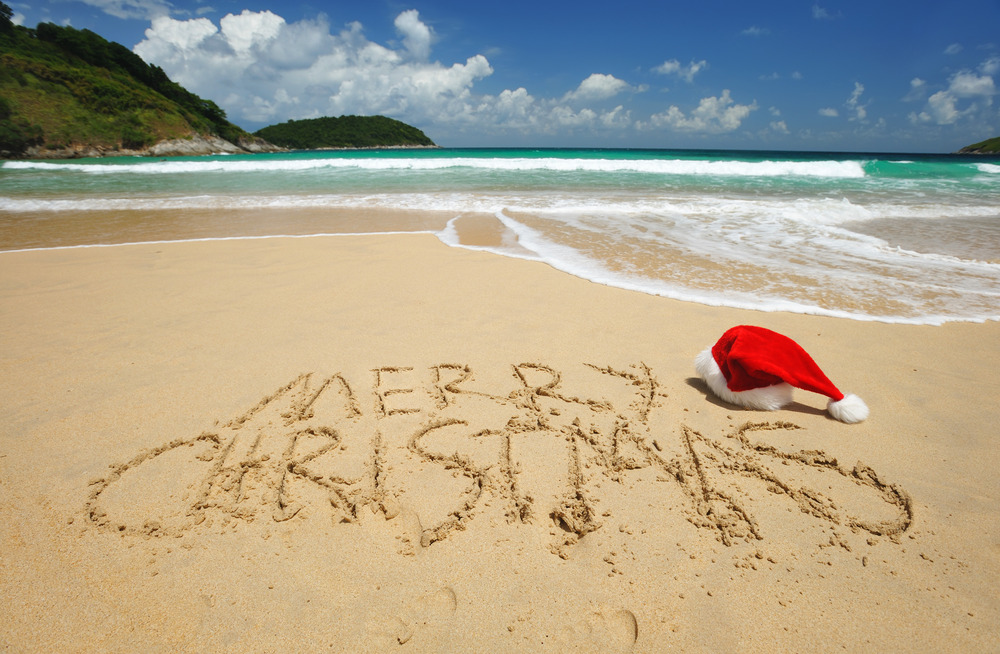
x=769, y=398
x=850, y=409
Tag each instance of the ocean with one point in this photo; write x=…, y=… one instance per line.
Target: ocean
x=892, y=238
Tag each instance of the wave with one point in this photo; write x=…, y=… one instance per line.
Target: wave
x=751, y=211
x=859, y=270
x=728, y=168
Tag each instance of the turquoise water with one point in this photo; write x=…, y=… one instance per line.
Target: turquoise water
x=897, y=238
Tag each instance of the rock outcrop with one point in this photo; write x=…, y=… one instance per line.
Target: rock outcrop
x=186, y=147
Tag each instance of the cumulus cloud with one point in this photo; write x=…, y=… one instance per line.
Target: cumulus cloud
x=753, y=30
x=713, y=115
x=417, y=36
x=975, y=90
x=687, y=73
x=941, y=109
x=598, y=87
x=263, y=68
x=953, y=49
x=518, y=110
x=829, y=112
x=617, y=118
x=970, y=85
x=250, y=30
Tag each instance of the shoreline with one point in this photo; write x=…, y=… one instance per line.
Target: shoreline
x=572, y=407
x=473, y=231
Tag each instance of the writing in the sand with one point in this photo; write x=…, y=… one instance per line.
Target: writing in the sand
x=448, y=444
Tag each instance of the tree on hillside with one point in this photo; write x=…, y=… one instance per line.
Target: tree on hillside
x=6, y=14
x=16, y=136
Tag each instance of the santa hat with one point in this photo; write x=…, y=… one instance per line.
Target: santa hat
x=757, y=368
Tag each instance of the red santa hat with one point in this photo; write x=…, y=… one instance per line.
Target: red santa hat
x=757, y=368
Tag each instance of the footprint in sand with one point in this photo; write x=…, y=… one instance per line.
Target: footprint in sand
x=606, y=631
x=426, y=620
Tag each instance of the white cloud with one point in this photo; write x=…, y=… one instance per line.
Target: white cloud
x=598, y=87
x=829, y=112
x=267, y=69
x=819, y=13
x=713, y=115
x=133, y=9
x=618, y=117
x=182, y=35
x=563, y=116
x=976, y=90
x=262, y=69
x=417, y=37
x=854, y=103
x=953, y=49
x=970, y=85
x=687, y=73
x=779, y=126
x=918, y=89
x=941, y=109
x=250, y=30
x=753, y=30
x=513, y=108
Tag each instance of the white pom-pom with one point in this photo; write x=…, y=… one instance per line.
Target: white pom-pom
x=850, y=409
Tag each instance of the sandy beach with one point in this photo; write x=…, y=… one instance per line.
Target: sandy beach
x=380, y=443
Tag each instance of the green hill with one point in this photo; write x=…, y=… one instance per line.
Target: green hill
x=991, y=146
x=344, y=132
x=69, y=90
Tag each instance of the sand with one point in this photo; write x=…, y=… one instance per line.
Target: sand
x=379, y=443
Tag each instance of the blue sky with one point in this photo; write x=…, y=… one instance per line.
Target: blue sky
x=826, y=75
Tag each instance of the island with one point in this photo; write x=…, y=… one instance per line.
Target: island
x=345, y=132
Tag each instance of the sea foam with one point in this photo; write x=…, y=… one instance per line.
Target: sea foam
x=833, y=169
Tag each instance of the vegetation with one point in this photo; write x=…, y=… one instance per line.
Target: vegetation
x=344, y=132
x=990, y=146
x=63, y=87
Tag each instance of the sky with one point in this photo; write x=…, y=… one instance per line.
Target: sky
x=824, y=75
